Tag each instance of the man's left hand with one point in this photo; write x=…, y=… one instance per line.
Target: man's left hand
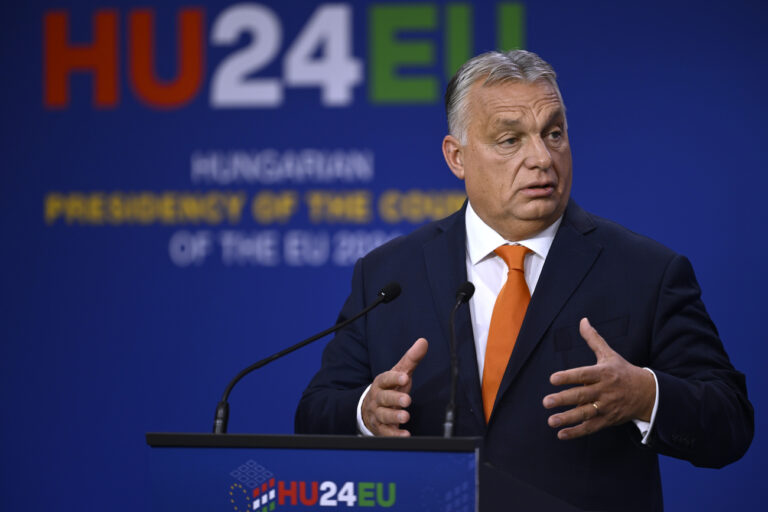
x=611, y=392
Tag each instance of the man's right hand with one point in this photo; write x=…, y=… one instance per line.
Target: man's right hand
x=383, y=408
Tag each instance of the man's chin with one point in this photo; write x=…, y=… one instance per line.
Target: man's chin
x=541, y=210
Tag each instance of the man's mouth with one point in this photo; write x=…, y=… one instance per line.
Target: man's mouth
x=539, y=190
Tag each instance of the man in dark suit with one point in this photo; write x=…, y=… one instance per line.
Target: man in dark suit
x=615, y=359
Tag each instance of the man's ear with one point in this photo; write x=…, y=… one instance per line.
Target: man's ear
x=452, y=152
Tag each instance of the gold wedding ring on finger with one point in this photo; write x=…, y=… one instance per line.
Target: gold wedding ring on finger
x=597, y=408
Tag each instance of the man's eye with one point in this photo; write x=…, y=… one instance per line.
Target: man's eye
x=555, y=135
x=511, y=140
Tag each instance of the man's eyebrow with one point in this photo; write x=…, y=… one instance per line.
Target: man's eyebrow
x=509, y=122
x=557, y=116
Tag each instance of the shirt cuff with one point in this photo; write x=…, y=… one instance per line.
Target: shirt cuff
x=645, y=427
x=363, y=430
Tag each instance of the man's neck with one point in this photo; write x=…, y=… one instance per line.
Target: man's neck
x=517, y=230
x=482, y=239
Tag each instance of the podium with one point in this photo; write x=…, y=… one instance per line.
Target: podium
x=265, y=473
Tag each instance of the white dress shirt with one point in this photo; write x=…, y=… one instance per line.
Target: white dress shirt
x=488, y=272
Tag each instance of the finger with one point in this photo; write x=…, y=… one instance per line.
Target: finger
x=582, y=429
x=594, y=340
x=391, y=431
x=391, y=379
x=385, y=422
x=393, y=417
x=582, y=375
x=580, y=414
x=412, y=357
x=392, y=399
x=379, y=418
x=572, y=396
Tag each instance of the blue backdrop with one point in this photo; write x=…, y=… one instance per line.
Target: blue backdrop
x=184, y=190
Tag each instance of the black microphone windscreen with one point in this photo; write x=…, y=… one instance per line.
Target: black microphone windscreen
x=390, y=292
x=465, y=292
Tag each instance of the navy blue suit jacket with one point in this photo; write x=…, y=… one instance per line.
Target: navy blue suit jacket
x=640, y=296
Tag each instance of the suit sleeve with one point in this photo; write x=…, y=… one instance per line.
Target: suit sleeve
x=329, y=404
x=704, y=414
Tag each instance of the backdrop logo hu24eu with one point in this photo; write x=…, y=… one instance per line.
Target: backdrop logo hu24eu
x=320, y=56
x=256, y=488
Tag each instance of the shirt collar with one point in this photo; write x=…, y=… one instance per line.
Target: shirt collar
x=482, y=239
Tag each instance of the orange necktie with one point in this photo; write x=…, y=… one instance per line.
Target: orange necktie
x=507, y=317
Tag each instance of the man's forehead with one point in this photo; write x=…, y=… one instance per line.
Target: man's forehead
x=511, y=101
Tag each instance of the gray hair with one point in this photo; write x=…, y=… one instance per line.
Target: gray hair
x=496, y=67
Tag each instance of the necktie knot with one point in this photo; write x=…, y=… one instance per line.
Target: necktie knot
x=513, y=255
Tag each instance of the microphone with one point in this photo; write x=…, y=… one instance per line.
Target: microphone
x=463, y=294
x=387, y=294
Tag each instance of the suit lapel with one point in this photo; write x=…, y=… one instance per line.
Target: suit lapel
x=569, y=260
x=445, y=257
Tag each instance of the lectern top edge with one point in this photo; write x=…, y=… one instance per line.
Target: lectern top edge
x=318, y=442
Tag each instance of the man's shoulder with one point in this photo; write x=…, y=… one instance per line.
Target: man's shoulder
x=613, y=236
x=412, y=244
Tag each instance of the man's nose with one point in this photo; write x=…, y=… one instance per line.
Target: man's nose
x=538, y=156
